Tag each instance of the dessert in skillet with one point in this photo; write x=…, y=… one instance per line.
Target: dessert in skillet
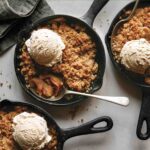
x=131, y=44
x=59, y=54
x=23, y=129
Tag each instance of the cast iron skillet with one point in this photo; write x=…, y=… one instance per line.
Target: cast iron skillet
x=135, y=78
x=86, y=21
x=63, y=135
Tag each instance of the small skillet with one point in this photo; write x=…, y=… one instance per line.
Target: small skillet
x=136, y=79
x=63, y=135
x=86, y=21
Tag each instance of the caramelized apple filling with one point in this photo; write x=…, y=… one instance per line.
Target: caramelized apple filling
x=47, y=85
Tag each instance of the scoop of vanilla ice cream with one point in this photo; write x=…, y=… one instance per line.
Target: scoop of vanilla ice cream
x=30, y=131
x=45, y=47
x=135, y=55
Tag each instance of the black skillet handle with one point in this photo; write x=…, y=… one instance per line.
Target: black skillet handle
x=90, y=15
x=88, y=128
x=144, y=116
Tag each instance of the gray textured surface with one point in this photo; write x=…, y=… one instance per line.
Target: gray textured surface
x=123, y=134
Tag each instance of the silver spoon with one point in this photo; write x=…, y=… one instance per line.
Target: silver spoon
x=124, y=101
x=121, y=22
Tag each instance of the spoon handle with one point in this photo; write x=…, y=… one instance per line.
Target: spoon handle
x=133, y=10
x=124, y=101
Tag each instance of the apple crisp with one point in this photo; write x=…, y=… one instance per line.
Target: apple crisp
x=78, y=68
x=137, y=27
x=7, y=113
